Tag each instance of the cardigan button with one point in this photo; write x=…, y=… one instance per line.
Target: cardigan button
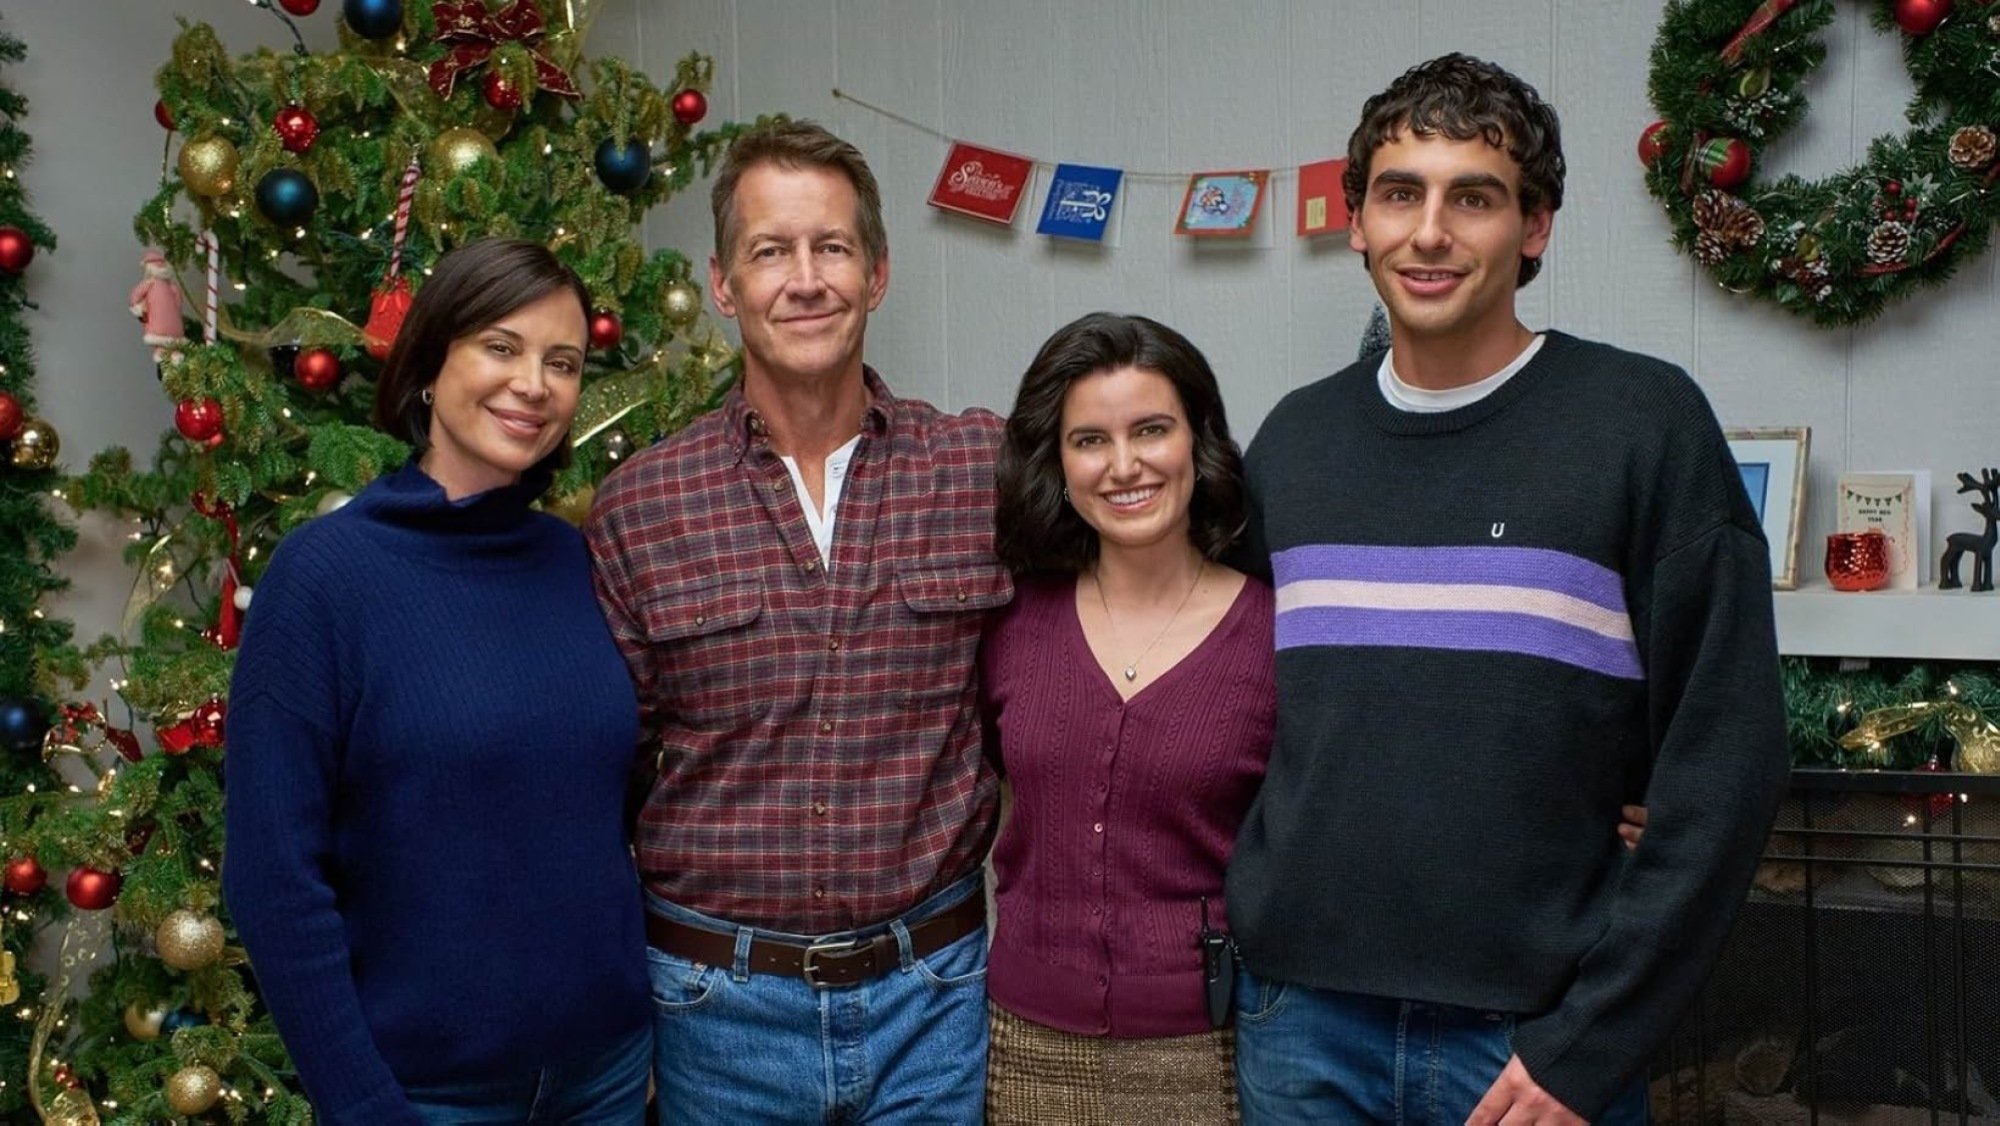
x=1098, y=827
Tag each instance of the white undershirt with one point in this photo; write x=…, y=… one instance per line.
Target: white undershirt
x=1417, y=400
x=821, y=522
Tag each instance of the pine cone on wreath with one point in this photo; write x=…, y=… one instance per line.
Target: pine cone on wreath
x=1710, y=249
x=1743, y=227
x=1712, y=208
x=1973, y=146
x=1888, y=243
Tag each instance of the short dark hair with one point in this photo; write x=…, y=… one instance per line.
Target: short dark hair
x=1463, y=98
x=797, y=144
x=468, y=289
x=1035, y=527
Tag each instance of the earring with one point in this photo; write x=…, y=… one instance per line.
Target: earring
x=427, y=396
x=1065, y=493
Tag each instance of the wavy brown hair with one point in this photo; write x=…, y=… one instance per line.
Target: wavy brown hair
x=1035, y=528
x=1463, y=98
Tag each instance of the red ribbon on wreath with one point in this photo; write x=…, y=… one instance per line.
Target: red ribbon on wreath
x=471, y=33
x=1766, y=14
x=229, y=620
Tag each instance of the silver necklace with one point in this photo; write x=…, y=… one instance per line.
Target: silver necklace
x=1131, y=669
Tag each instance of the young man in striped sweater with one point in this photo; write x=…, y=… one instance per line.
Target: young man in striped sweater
x=1518, y=585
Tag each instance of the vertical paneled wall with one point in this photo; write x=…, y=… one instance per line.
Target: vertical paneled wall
x=1186, y=85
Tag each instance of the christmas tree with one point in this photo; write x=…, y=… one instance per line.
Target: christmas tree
x=36, y=660
x=303, y=201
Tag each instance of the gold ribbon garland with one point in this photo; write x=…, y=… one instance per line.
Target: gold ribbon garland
x=1977, y=737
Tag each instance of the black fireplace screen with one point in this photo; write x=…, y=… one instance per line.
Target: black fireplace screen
x=1862, y=982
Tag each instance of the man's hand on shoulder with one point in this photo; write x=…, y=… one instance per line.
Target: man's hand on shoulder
x=1515, y=1099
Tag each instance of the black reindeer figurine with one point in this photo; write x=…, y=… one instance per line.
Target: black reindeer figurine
x=1981, y=545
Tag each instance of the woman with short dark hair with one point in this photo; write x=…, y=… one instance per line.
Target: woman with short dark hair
x=1129, y=695
x=429, y=734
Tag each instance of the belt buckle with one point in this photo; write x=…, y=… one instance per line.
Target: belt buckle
x=825, y=947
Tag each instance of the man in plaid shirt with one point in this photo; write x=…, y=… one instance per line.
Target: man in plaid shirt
x=798, y=581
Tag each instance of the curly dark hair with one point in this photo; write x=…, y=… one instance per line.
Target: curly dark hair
x=1463, y=98
x=1035, y=528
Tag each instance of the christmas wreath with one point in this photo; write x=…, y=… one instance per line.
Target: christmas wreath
x=1728, y=78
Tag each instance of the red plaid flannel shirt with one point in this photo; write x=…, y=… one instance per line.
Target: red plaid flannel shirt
x=812, y=734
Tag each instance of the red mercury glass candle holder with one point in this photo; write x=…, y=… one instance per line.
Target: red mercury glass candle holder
x=1857, y=560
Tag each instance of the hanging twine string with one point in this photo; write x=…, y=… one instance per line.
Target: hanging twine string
x=1277, y=172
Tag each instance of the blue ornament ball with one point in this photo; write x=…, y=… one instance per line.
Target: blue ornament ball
x=21, y=724
x=624, y=168
x=373, y=19
x=286, y=196
x=179, y=1019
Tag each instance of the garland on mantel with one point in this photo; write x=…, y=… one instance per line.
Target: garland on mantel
x=1728, y=79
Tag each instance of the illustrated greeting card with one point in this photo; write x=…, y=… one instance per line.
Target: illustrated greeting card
x=983, y=183
x=1222, y=203
x=1885, y=502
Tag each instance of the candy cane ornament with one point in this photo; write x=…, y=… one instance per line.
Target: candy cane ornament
x=391, y=302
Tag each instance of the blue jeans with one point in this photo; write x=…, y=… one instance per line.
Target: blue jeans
x=609, y=1090
x=906, y=1047
x=1321, y=1056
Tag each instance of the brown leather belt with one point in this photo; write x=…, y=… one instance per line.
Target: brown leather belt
x=825, y=963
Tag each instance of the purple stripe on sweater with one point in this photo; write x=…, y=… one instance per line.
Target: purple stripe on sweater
x=1484, y=631
x=1535, y=567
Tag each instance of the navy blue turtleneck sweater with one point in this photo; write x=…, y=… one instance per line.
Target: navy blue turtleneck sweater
x=429, y=737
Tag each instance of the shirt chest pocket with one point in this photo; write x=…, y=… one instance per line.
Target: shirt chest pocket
x=944, y=605
x=716, y=671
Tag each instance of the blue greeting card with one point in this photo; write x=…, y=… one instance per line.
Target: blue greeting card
x=1079, y=203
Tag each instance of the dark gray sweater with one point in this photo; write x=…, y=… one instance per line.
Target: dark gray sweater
x=1496, y=625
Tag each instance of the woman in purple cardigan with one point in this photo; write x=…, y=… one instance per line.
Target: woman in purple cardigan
x=1129, y=697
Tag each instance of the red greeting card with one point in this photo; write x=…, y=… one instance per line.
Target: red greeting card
x=983, y=183
x=1322, y=203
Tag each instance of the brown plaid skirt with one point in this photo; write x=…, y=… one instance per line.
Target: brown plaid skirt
x=1041, y=1076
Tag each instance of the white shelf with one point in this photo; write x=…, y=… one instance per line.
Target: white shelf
x=1819, y=621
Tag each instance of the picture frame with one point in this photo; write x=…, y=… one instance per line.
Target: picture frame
x=1773, y=463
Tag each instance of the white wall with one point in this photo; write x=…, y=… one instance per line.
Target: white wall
x=1144, y=84
x=1194, y=85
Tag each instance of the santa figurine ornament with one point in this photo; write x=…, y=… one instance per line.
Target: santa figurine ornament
x=156, y=301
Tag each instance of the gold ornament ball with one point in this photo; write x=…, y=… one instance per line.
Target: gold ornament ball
x=208, y=166
x=35, y=446
x=455, y=151
x=192, y=1090
x=682, y=304
x=188, y=941
x=144, y=1022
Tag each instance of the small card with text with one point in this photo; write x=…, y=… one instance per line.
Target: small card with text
x=1322, y=201
x=983, y=183
x=1886, y=502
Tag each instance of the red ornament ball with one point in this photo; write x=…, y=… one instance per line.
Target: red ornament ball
x=198, y=420
x=26, y=876
x=299, y=7
x=690, y=107
x=16, y=249
x=1652, y=143
x=93, y=889
x=500, y=93
x=296, y=127
x=317, y=369
x=163, y=115
x=209, y=719
x=1921, y=17
x=606, y=330
x=10, y=417
x=1725, y=161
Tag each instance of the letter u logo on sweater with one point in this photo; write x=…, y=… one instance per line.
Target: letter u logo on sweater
x=1526, y=600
